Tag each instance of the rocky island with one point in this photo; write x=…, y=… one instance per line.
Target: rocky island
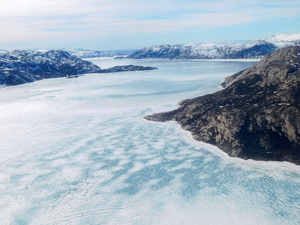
x=256, y=115
x=24, y=66
x=127, y=68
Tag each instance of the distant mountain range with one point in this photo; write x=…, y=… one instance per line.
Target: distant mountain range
x=88, y=53
x=227, y=50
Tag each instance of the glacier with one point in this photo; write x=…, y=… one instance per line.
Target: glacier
x=78, y=151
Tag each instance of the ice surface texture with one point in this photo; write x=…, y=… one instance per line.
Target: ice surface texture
x=77, y=151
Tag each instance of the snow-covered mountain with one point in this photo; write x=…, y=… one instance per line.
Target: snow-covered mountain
x=23, y=66
x=226, y=50
x=87, y=53
x=209, y=50
x=283, y=40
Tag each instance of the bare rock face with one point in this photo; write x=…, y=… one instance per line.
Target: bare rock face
x=256, y=116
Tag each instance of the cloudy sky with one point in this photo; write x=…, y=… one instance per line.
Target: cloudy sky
x=122, y=24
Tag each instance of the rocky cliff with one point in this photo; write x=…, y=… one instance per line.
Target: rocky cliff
x=256, y=115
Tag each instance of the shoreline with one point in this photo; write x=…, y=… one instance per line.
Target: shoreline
x=196, y=60
x=275, y=166
x=255, y=164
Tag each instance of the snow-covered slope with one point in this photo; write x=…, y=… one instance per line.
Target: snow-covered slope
x=23, y=66
x=227, y=50
x=86, y=53
x=283, y=40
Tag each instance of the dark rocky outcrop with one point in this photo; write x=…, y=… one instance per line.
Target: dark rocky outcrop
x=127, y=68
x=256, y=115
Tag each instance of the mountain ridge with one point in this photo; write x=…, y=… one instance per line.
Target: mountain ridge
x=224, y=50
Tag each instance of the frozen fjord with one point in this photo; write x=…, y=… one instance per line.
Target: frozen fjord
x=77, y=151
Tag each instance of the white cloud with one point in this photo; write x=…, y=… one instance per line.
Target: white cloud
x=48, y=19
x=36, y=8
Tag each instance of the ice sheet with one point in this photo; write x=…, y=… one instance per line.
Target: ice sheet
x=77, y=151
